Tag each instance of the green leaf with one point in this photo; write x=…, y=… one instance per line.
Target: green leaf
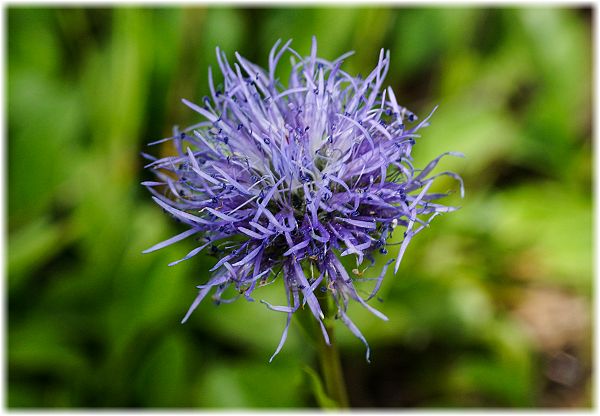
x=324, y=401
x=31, y=246
x=250, y=383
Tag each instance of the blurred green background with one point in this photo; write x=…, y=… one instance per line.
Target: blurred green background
x=491, y=307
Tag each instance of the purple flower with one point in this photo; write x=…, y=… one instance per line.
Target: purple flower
x=278, y=180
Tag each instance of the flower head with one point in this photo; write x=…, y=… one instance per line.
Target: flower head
x=276, y=179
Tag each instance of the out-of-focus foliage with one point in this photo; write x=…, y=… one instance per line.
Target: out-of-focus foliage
x=491, y=306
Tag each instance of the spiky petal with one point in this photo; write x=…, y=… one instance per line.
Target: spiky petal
x=279, y=177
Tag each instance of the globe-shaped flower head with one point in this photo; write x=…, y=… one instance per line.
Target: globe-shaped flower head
x=281, y=179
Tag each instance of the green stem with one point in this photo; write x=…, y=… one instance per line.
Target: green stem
x=329, y=358
x=332, y=369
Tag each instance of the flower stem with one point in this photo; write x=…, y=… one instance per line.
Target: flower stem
x=331, y=369
x=332, y=376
